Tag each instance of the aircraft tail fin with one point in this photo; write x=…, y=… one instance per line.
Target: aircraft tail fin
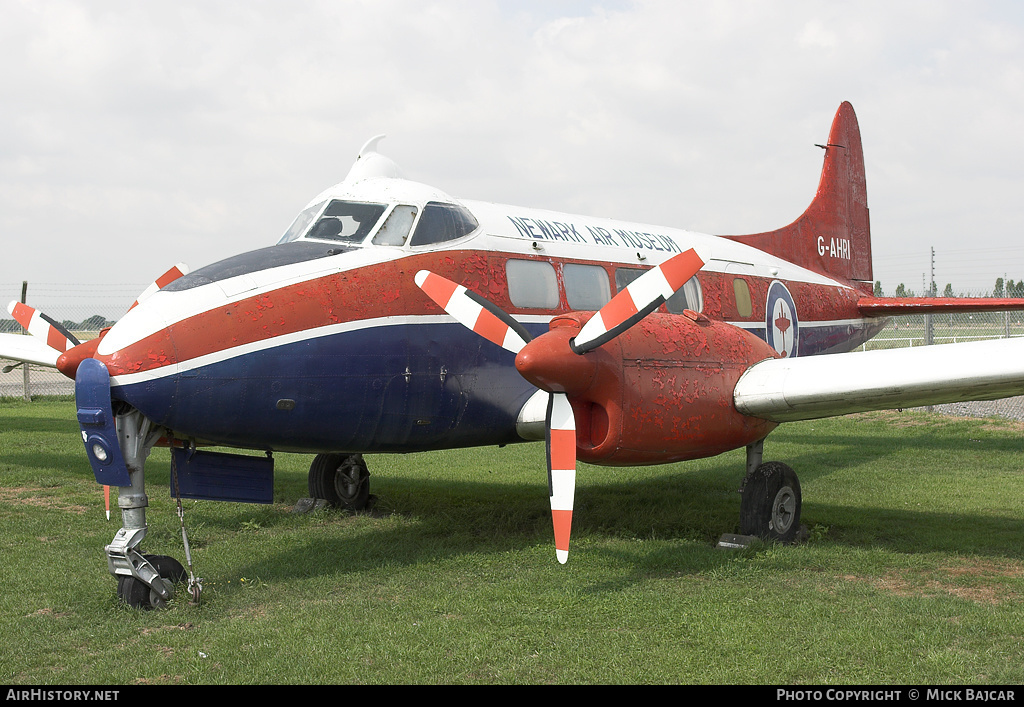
x=833, y=236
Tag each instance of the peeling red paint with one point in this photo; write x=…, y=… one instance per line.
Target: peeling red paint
x=647, y=398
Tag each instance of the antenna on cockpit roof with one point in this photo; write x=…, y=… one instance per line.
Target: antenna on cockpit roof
x=371, y=163
x=371, y=145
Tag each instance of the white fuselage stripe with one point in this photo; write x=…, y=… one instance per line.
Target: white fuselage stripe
x=295, y=337
x=803, y=324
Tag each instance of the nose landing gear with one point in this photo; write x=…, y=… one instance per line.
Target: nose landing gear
x=143, y=581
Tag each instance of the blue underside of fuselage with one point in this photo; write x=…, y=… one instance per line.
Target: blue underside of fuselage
x=393, y=388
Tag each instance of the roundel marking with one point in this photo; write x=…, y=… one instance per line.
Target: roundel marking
x=782, y=326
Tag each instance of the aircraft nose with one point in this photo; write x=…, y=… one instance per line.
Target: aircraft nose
x=137, y=344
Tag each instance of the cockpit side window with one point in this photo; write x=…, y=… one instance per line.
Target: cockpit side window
x=348, y=221
x=301, y=223
x=396, y=227
x=443, y=222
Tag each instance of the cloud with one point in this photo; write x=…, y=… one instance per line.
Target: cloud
x=136, y=135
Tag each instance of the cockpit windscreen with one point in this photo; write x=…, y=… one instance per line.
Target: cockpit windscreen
x=349, y=221
x=343, y=221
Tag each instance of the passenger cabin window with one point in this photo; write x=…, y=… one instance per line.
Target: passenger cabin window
x=586, y=287
x=443, y=222
x=532, y=284
x=742, y=290
x=396, y=227
x=689, y=296
x=347, y=221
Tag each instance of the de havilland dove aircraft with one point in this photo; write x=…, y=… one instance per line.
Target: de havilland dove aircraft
x=391, y=317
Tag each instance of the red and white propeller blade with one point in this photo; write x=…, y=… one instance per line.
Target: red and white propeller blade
x=476, y=313
x=561, y=443
x=43, y=327
x=161, y=282
x=638, y=299
x=629, y=306
x=473, y=311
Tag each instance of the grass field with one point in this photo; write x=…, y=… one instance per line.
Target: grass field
x=913, y=572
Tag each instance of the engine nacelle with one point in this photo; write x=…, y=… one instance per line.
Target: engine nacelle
x=663, y=390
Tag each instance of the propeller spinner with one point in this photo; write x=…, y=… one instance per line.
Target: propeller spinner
x=559, y=369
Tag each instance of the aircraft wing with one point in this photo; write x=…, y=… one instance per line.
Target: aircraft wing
x=28, y=349
x=784, y=389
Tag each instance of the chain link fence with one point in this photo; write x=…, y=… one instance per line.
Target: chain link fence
x=921, y=330
x=85, y=309
x=917, y=330
x=82, y=309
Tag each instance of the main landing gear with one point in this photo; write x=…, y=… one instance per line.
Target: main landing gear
x=771, y=500
x=340, y=479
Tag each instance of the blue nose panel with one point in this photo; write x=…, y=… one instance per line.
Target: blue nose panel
x=96, y=420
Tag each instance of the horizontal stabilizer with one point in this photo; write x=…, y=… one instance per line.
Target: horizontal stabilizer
x=807, y=388
x=894, y=306
x=27, y=349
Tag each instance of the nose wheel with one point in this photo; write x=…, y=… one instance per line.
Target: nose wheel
x=138, y=595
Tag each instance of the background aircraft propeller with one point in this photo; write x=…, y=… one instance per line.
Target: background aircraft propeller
x=551, y=367
x=43, y=327
x=161, y=282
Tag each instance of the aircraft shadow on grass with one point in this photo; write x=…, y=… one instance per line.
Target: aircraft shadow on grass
x=696, y=507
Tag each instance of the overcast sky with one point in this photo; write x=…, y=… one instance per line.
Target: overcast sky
x=134, y=135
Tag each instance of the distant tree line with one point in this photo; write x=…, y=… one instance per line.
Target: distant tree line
x=93, y=323
x=1009, y=288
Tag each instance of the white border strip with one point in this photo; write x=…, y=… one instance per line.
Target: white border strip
x=295, y=337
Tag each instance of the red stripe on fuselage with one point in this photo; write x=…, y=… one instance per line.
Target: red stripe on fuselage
x=388, y=289
x=371, y=292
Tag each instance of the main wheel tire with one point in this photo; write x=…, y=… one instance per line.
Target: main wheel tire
x=343, y=480
x=770, y=506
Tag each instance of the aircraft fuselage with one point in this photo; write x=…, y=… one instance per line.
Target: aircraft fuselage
x=321, y=345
